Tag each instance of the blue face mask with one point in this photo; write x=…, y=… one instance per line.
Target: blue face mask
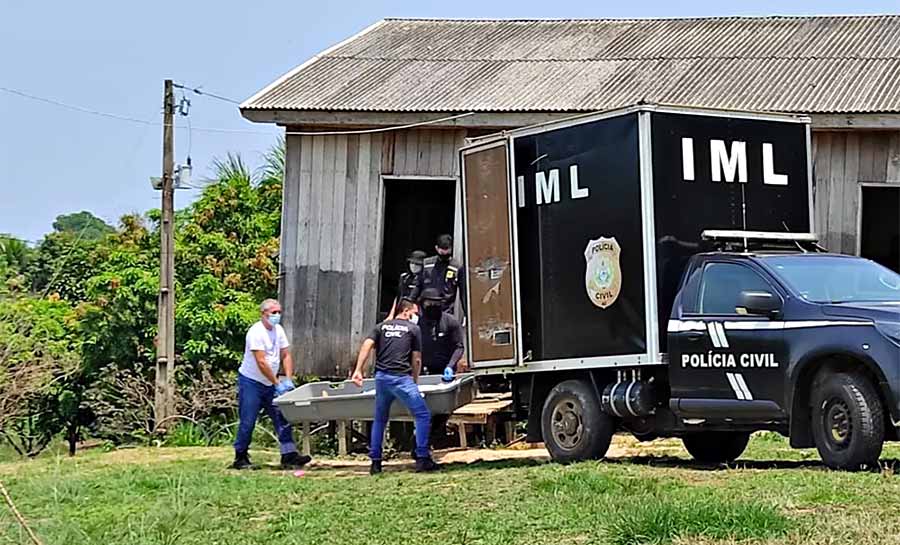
x=275, y=319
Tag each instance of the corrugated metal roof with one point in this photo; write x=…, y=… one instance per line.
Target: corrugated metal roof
x=834, y=64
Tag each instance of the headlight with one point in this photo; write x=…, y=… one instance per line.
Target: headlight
x=891, y=330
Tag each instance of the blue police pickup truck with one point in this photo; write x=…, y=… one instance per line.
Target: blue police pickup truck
x=807, y=344
x=654, y=270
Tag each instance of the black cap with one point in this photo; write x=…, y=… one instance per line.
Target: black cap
x=417, y=257
x=444, y=242
x=431, y=294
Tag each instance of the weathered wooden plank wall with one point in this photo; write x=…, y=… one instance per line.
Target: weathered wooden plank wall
x=841, y=162
x=332, y=232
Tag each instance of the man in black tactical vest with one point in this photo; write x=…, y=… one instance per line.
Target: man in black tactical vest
x=446, y=275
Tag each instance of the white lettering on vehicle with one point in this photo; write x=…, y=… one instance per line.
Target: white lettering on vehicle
x=758, y=361
x=730, y=164
x=546, y=187
x=735, y=164
x=712, y=360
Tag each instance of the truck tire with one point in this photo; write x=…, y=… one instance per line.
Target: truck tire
x=572, y=425
x=847, y=421
x=716, y=447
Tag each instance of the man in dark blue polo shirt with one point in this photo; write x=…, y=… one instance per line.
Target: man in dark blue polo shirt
x=398, y=362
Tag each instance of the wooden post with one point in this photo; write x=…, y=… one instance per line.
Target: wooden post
x=165, y=345
x=342, y=437
x=463, y=442
x=490, y=431
x=305, y=439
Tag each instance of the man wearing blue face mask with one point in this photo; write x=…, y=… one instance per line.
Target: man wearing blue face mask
x=265, y=350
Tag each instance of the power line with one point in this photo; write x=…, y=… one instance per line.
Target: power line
x=234, y=131
x=75, y=108
x=122, y=117
x=206, y=93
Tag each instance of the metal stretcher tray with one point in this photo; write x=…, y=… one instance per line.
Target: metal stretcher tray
x=318, y=401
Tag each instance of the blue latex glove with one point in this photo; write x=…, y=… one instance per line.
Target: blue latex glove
x=285, y=386
x=448, y=374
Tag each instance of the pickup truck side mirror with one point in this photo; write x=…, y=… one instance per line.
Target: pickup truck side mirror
x=759, y=303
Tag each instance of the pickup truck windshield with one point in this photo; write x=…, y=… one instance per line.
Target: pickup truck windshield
x=831, y=279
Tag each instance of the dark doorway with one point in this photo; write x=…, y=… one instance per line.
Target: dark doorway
x=880, y=225
x=416, y=211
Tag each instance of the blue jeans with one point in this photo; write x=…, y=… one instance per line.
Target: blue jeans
x=254, y=396
x=389, y=387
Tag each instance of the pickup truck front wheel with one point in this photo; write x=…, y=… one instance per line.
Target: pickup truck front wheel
x=847, y=421
x=716, y=447
x=572, y=425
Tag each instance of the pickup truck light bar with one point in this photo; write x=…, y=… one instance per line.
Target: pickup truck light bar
x=760, y=239
x=759, y=235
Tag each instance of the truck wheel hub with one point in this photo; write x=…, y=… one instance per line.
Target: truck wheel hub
x=837, y=422
x=567, y=427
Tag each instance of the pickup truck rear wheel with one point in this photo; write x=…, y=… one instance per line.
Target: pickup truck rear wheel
x=847, y=421
x=572, y=425
x=716, y=447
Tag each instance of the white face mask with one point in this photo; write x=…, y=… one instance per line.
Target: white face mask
x=414, y=319
x=414, y=268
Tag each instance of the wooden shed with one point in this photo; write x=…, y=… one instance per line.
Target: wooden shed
x=363, y=188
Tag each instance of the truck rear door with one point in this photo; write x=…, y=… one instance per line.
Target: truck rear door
x=489, y=235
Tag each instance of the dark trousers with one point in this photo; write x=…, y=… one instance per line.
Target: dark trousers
x=253, y=397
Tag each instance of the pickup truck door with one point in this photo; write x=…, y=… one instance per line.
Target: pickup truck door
x=724, y=363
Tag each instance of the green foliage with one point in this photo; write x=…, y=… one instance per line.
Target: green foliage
x=62, y=264
x=39, y=355
x=82, y=224
x=14, y=255
x=98, y=287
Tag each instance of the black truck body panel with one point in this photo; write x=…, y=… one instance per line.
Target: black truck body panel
x=558, y=320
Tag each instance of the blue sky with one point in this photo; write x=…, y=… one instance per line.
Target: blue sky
x=112, y=56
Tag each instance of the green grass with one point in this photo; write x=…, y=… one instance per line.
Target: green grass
x=186, y=496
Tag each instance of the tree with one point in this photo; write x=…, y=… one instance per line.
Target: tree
x=39, y=353
x=227, y=255
x=15, y=256
x=14, y=253
x=83, y=224
x=62, y=264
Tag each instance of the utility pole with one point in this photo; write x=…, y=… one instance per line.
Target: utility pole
x=165, y=346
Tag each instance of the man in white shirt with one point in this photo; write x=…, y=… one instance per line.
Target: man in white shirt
x=265, y=350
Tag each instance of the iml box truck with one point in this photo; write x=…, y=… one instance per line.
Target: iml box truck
x=654, y=270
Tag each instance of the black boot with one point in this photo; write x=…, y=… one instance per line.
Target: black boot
x=241, y=461
x=294, y=460
x=425, y=465
x=375, y=468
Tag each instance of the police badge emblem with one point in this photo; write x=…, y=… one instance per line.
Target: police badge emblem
x=603, y=274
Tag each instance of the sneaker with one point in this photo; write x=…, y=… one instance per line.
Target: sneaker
x=294, y=460
x=241, y=461
x=375, y=468
x=425, y=465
